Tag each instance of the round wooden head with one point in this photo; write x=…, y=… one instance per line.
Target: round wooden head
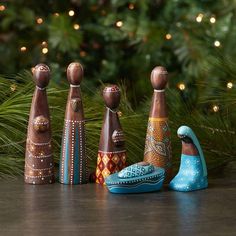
x=75, y=73
x=111, y=96
x=159, y=78
x=41, y=75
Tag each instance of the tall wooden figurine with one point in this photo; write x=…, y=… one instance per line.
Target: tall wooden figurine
x=38, y=157
x=73, y=163
x=112, y=153
x=158, y=143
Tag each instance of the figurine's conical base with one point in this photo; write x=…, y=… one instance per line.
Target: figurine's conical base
x=190, y=176
x=73, y=164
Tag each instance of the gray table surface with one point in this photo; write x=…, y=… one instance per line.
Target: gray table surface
x=91, y=210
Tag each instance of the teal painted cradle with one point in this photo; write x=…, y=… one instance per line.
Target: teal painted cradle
x=137, y=178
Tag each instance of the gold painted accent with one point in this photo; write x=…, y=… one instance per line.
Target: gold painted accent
x=75, y=104
x=158, y=119
x=41, y=124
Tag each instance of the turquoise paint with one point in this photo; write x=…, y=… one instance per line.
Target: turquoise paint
x=76, y=157
x=190, y=176
x=67, y=157
x=136, y=178
x=187, y=131
x=192, y=173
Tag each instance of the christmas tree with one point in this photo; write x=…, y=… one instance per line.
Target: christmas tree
x=121, y=42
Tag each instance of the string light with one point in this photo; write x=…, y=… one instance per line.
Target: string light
x=212, y=19
x=168, y=36
x=199, y=17
x=76, y=26
x=119, y=23
x=215, y=108
x=23, y=49
x=45, y=50
x=131, y=6
x=2, y=8
x=44, y=43
x=217, y=43
x=230, y=85
x=181, y=86
x=39, y=21
x=71, y=13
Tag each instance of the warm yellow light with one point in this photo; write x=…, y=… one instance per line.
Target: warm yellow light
x=71, y=13
x=217, y=43
x=119, y=23
x=23, y=49
x=44, y=43
x=76, y=26
x=199, y=17
x=131, y=6
x=44, y=50
x=39, y=21
x=230, y=85
x=168, y=36
x=181, y=86
x=2, y=8
x=215, y=108
x=212, y=19
x=56, y=14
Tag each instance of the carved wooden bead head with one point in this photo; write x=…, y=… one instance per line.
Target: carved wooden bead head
x=111, y=96
x=75, y=73
x=41, y=75
x=159, y=77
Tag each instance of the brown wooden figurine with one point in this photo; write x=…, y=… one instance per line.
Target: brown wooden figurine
x=111, y=153
x=38, y=157
x=158, y=143
x=73, y=163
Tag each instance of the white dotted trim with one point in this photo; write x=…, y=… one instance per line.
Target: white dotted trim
x=39, y=176
x=40, y=144
x=37, y=169
x=43, y=156
x=75, y=121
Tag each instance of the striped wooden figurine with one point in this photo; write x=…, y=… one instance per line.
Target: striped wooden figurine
x=73, y=162
x=39, y=165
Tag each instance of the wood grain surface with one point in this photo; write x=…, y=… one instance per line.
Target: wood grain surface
x=91, y=210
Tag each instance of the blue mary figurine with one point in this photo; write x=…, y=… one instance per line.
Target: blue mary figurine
x=192, y=173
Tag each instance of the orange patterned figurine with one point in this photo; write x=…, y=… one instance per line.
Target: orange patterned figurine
x=38, y=156
x=158, y=143
x=112, y=153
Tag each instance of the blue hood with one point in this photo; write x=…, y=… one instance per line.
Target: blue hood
x=187, y=131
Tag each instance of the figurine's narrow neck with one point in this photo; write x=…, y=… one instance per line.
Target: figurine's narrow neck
x=75, y=85
x=158, y=106
x=159, y=90
x=189, y=149
x=111, y=110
